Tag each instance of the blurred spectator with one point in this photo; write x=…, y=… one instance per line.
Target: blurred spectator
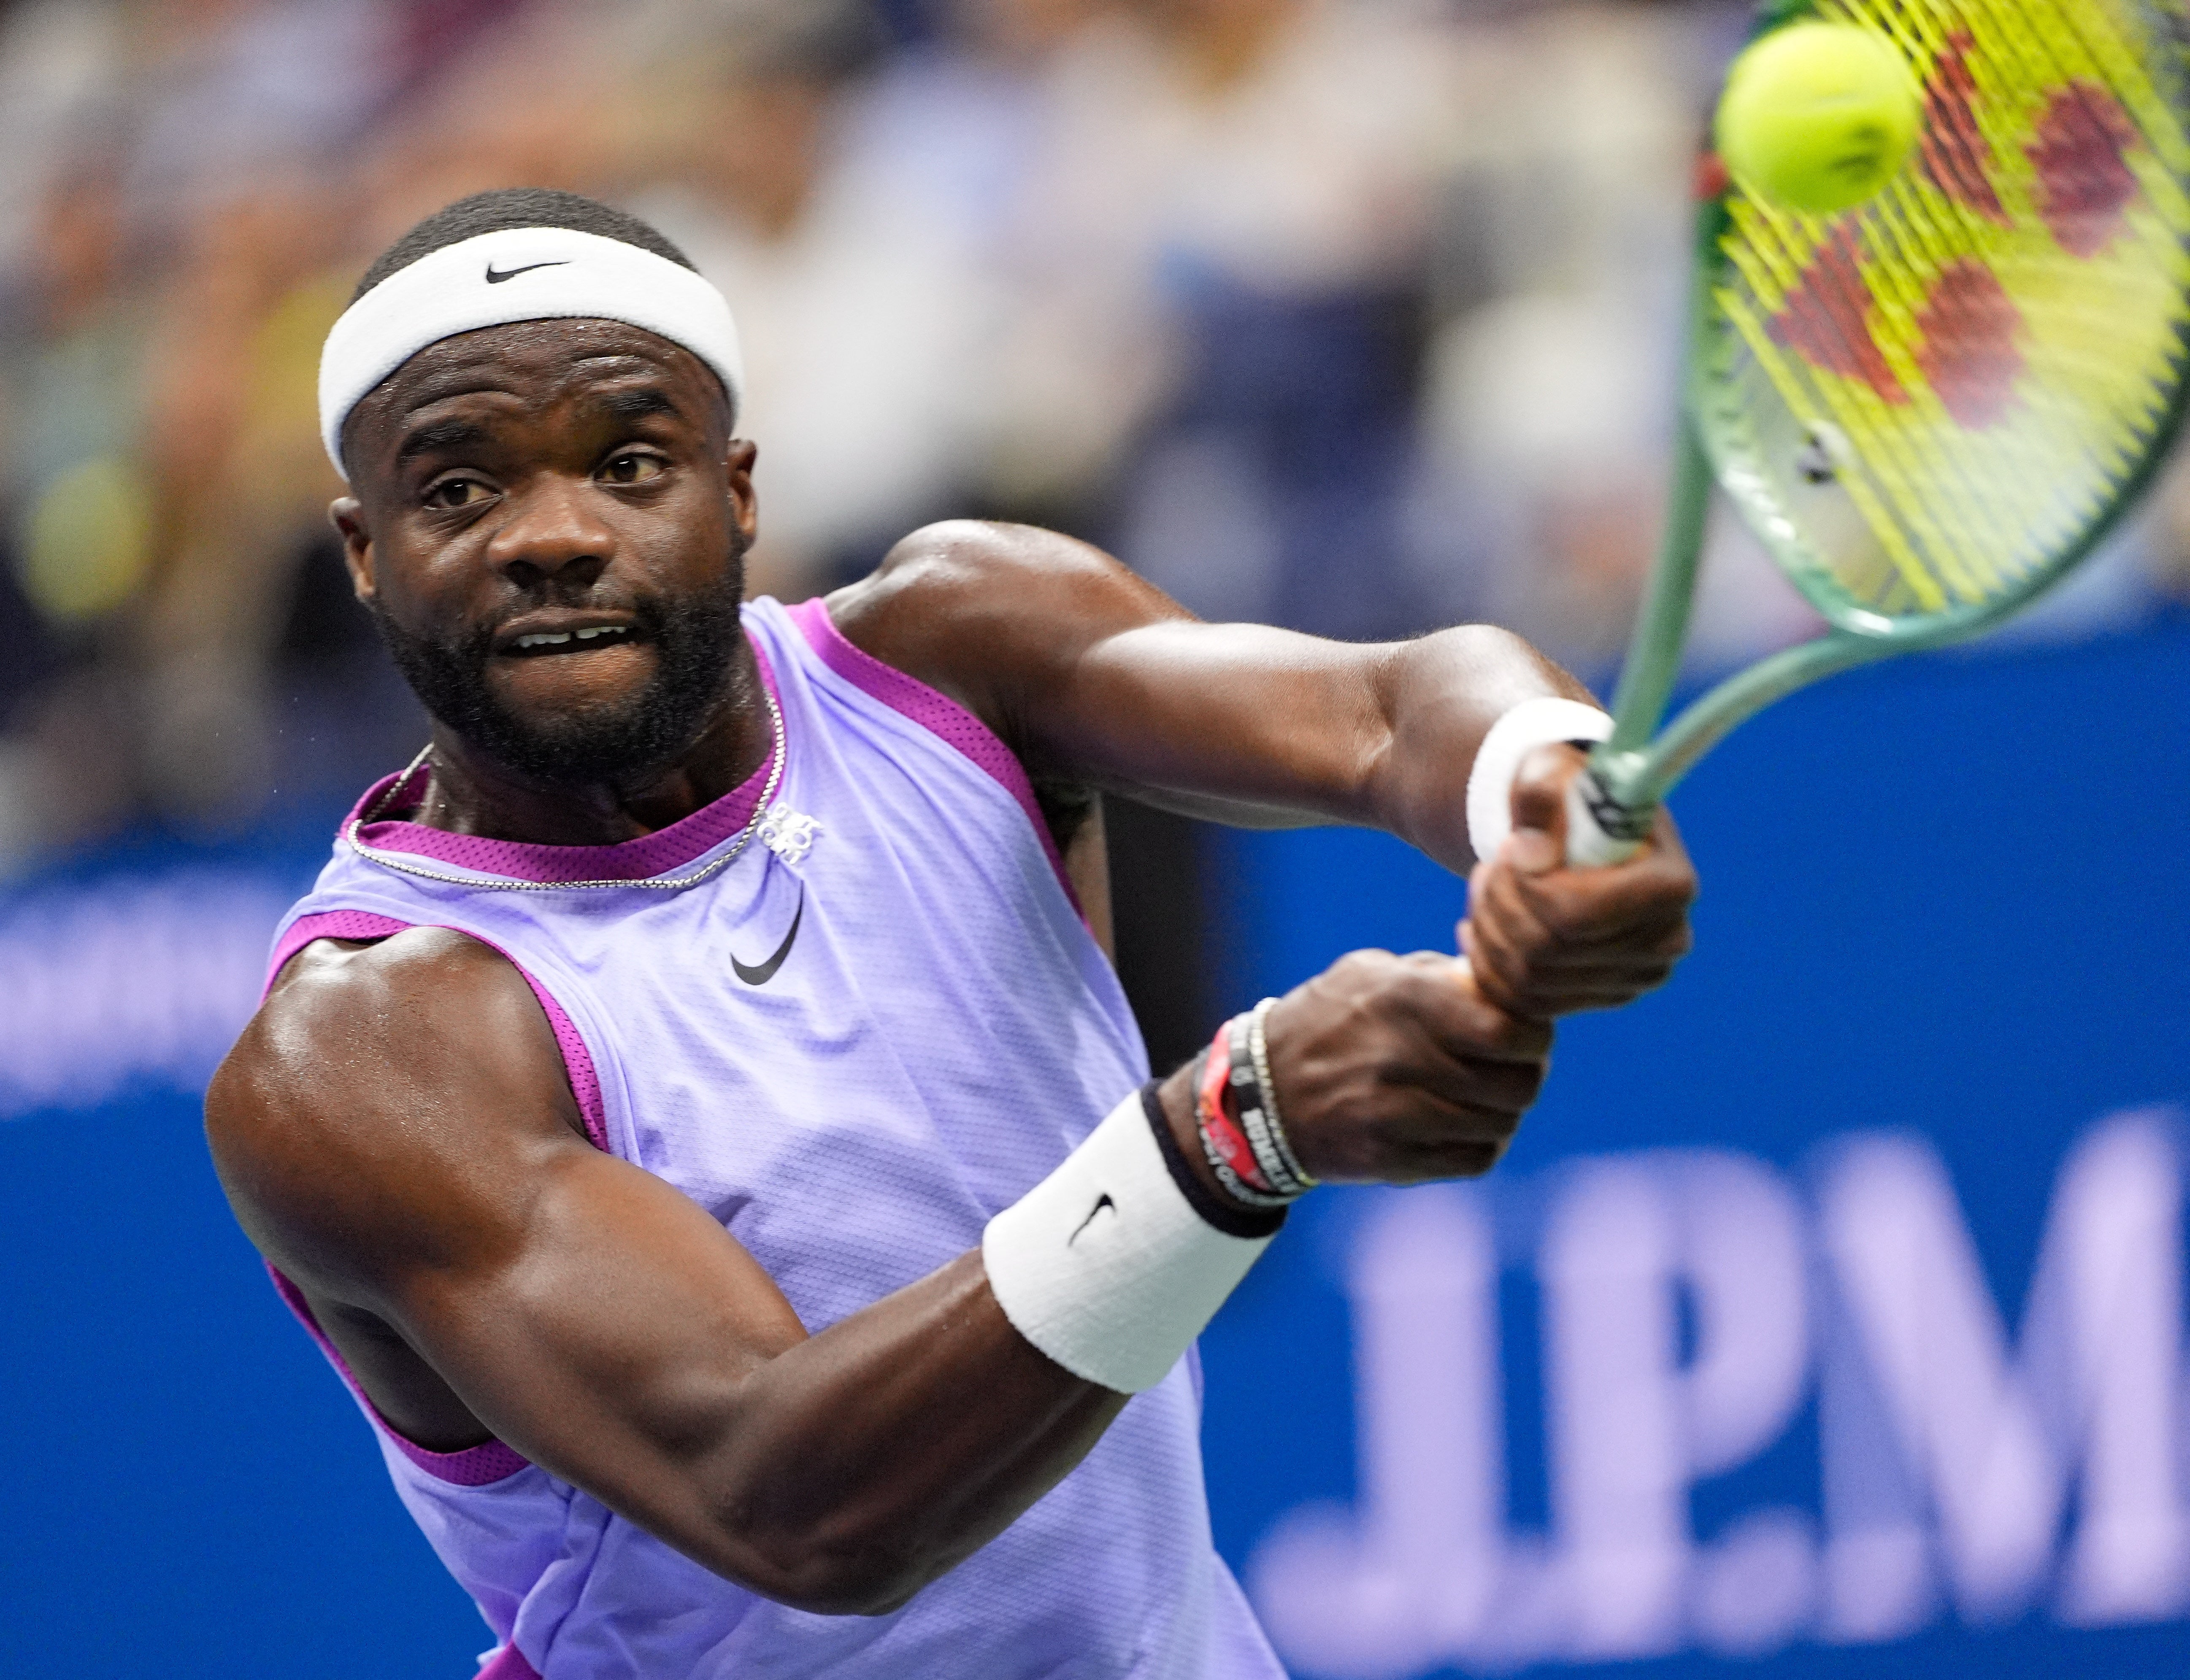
x=1221, y=257
x=80, y=511
x=233, y=433
x=57, y=61
x=829, y=203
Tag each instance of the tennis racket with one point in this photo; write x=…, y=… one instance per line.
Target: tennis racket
x=1931, y=407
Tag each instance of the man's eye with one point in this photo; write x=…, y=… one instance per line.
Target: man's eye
x=633, y=469
x=455, y=493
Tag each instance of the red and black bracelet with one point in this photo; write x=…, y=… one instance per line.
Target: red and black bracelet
x=1228, y=1137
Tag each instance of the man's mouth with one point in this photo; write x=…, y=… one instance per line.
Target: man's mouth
x=539, y=642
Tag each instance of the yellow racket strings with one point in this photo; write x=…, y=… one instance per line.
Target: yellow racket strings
x=1993, y=344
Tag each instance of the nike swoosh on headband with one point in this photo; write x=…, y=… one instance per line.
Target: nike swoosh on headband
x=766, y=971
x=495, y=277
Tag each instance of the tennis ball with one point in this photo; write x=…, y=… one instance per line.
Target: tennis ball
x=1818, y=116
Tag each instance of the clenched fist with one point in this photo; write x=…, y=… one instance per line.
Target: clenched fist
x=1393, y=1070
x=1547, y=940
x=1396, y=1069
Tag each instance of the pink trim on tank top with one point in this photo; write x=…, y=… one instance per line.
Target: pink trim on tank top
x=509, y=1664
x=362, y=925
x=491, y=1460
x=473, y=1467
x=936, y=713
x=656, y=854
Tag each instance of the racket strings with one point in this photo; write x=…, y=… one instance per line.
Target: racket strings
x=1992, y=345
x=1877, y=408
x=1953, y=327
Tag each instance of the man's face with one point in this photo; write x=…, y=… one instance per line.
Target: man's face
x=549, y=526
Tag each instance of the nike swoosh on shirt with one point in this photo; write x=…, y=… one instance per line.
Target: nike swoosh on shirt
x=762, y=975
x=494, y=278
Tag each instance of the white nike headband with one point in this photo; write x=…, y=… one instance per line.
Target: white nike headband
x=520, y=274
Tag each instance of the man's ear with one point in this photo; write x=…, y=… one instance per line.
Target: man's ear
x=738, y=467
x=348, y=516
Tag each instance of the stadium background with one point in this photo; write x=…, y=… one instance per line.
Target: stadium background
x=1827, y=1320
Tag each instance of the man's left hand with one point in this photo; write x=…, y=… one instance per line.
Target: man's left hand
x=1547, y=940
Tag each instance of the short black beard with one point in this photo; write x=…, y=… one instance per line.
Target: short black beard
x=694, y=648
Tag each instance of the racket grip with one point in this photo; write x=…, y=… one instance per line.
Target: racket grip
x=1542, y=720
x=1600, y=831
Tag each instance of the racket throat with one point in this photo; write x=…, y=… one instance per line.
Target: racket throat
x=1653, y=664
x=1603, y=828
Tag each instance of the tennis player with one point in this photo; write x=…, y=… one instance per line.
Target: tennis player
x=692, y=1109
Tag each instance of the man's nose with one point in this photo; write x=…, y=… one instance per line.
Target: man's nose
x=553, y=533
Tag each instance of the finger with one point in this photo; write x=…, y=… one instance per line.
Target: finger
x=1527, y=969
x=1556, y=1001
x=1503, y=961
x=1419, y=1119
x=1456, y=1160
x=1501, y=972
x=1600, y=904
x=1503, y=933
x=1540, y=808
x=1410, y=1099
x=1665, y=838
x=1514, y=960
x=1551, y=999
x=1472, y=1090
x=1539, y=804
x=1448, y=1004
x=1652, y=868
x=1629, y=976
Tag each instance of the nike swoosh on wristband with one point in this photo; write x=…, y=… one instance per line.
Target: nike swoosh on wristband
x=766, y=971
x=1100, y=1202
x=496, y=278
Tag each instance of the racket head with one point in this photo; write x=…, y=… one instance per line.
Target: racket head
x=1931, y=406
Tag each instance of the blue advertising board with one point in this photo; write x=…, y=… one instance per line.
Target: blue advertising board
x=1827, y=1318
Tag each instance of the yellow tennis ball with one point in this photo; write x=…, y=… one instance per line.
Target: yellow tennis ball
x=1818, y=116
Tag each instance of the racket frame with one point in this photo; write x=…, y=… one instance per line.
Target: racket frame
x=1631, y=772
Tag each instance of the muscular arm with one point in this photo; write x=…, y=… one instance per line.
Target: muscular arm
x=1089, y=672
x=396, y=1133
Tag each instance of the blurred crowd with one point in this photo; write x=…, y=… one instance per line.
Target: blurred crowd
x=1350, y=315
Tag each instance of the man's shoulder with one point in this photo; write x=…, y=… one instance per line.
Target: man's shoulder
x=978, y=609
x=984, y=551
x=339, y=982
x=380, y=1090
x=969, y=569
x=362, y=1035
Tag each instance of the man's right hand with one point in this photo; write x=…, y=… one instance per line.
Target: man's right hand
x=1393, y=1069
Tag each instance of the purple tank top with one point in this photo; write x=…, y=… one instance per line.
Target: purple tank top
x=937, y=1032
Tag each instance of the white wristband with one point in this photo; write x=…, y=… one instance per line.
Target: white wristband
x=1105, y=1266
x=1540, y=722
